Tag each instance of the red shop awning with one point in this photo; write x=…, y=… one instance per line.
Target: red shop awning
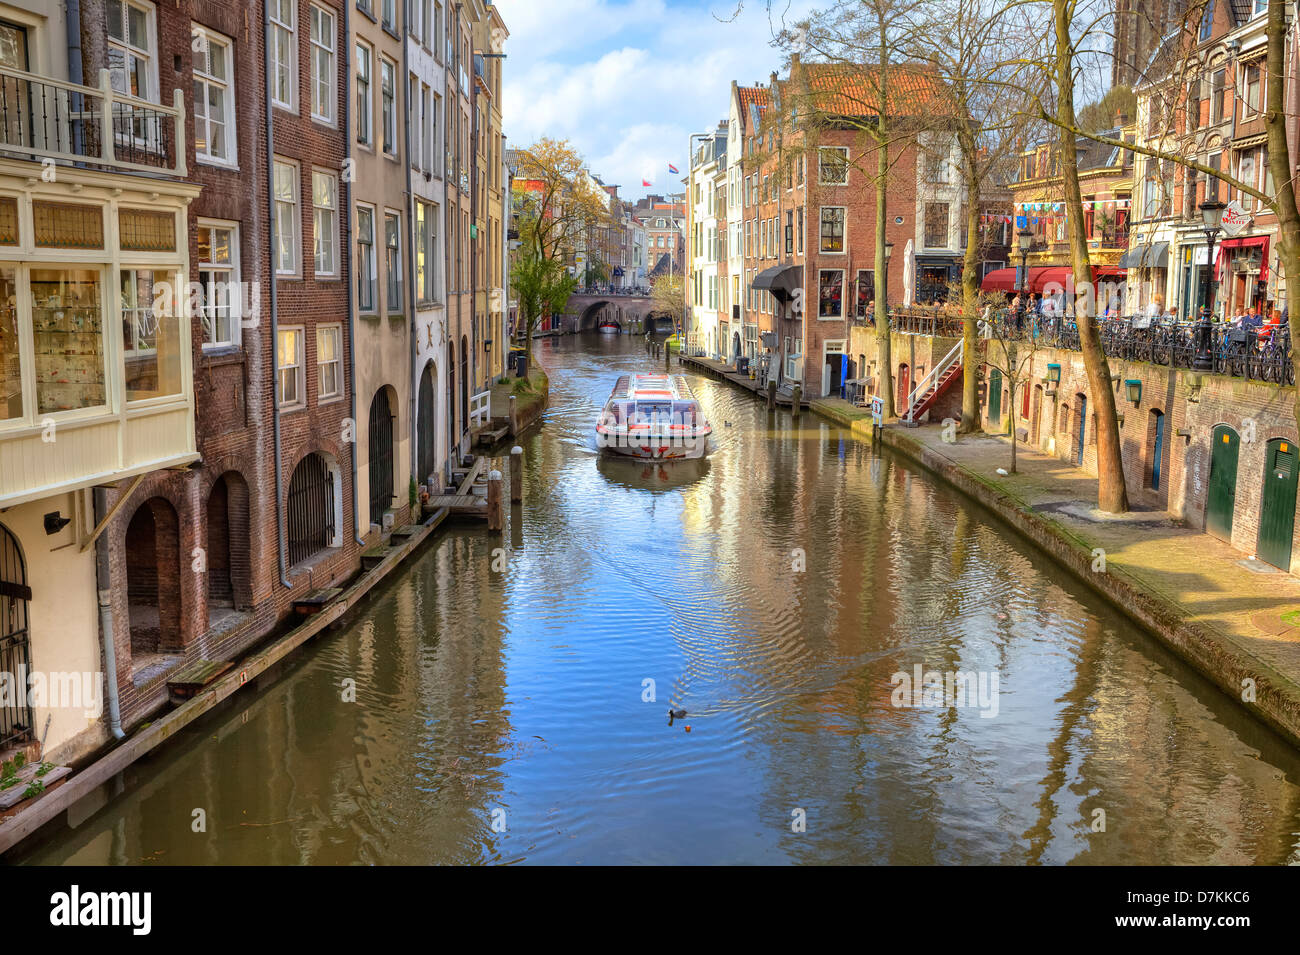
x=1244, y=242
x=1004, y=280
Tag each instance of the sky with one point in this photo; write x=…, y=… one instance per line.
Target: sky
x=628, y=81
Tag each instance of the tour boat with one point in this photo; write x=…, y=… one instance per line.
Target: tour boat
x=654, y=417
x=609, y=328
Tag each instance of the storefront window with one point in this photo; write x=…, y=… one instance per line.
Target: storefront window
x=68, y=338
x=11, y=378
x=151, y=345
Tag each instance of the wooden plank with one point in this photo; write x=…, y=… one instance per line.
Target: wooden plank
x=200, y=673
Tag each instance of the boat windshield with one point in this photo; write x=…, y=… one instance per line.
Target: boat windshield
x=654, y=410
x=686, y=412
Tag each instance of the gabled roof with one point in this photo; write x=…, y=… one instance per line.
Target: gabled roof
x=850, y=89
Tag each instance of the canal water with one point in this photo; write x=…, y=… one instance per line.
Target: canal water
x=511, y=706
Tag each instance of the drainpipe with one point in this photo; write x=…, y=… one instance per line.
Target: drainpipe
x=408, y=260
x=275, y=308
x=103, y=577
x=352, y=325
x=473, y=219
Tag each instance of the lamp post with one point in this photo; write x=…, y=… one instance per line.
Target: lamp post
x=1211, y=223
x=1024, y=242
x=884, y=285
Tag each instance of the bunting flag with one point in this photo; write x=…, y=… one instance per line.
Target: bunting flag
x=673, y=169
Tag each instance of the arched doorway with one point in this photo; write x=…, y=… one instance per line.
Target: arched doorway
x=995, y=397
x=310, y=511
x=735, y=346
x=380, y=456
x=153, y=578
x=427, y=423
x=464, y=384
x=453, y=431
x=1277, y=507
x=1221, y=498
x=15, y=640
x=1036, y=414
x=1080, y=426
x=228, y=566
x=904, y=388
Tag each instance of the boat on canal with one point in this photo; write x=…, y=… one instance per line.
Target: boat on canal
x=653, y=417
x=609, y=328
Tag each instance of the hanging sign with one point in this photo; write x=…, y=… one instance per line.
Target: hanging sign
x=1235, y=218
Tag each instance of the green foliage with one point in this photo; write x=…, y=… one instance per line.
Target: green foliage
x=415, y=494
x=35, y=789
x=543, y=286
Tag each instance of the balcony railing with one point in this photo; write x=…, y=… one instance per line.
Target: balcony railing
x=42, y=118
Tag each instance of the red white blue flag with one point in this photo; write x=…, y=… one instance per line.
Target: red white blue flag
x=673, y=169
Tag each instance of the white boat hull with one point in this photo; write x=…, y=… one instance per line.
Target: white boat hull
x=658, y=449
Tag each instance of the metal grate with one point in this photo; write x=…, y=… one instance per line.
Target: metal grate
x=15, y=656
x=311, y=508
x=381, y=456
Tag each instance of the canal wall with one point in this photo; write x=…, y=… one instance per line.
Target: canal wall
x=1266, y=687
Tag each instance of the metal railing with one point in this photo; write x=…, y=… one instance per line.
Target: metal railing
x=42, y=118
x=931, y=379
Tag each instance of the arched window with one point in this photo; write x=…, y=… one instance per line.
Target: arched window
x=153, y=579
x=15, y=653
x=380, y=458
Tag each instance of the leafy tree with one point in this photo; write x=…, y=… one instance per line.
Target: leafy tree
x=543, y=287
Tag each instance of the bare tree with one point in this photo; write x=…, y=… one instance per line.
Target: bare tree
x=1011, y=348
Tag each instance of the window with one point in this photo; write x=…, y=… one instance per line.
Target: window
x=426, y=246
x=365, y=119
x=1218, y=95
x=289, y=382
x=937, y=167
x=288, y=224
x=388, y=107
x=322, y=65
x=214, y=97
x=283, y=59
x=833, y=229
x=830, y=298
x=388, y=14
x=151, y=342
x=132, y=50
x=219, y=295
x=365, y=264
x=1215, y=161
x=798, y=218
x=866, y=291
x=1251, y=95
x=393, y=260
x=1207, y=22
x=329, y=361
x=325, y=221
x=936, y=225
x=366, y=6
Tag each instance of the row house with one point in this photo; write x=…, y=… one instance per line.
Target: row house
x=1205, y=99
x=1038, y=200
x=707, y=227
x=489, y=191
x=746, y=107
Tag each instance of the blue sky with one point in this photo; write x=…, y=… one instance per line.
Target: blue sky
x=628, y=81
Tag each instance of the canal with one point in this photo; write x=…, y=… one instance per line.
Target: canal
x=501, y=707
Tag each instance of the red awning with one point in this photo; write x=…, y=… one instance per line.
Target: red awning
x=1244, y=242
x=1004, y=280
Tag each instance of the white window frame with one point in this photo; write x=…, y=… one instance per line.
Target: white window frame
x=233, y=286
x=324, y=87
x=296, y=368
x=388, y=118
x=332, y=269
x=293, y=202
x=288, y=28
x=227, y=87
x=365, y=77
x=149, y=55
x=372, y=279
x=336, y=332
x=393, y=303
x=844, y=226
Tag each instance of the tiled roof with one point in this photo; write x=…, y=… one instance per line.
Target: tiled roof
x=758, y=96
x=853, y=89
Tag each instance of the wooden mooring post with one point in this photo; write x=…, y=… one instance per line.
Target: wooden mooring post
x=516, y=475
x=514, y=417
x=771, y=396
x=495, y=505
x=798, y=398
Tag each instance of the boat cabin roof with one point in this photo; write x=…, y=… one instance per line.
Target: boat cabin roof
x=670, y=387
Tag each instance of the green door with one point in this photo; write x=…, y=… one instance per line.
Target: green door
x=995, y=396
x=1222, y=498
x=1277, y=512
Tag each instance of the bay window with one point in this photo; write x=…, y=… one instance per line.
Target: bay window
x=151, y=328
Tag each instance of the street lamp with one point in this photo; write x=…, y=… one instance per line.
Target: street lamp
x=1211, y=223
x=884, y=285
x=1024, y=242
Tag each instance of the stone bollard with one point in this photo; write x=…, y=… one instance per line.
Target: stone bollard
x=668, y=357
x=771, y=396
x=516, y=475
x=495, y=508
x=514, y=417
x=798, y=397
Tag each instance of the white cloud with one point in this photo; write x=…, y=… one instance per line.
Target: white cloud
x=629, y=81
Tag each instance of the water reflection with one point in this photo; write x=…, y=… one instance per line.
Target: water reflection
x=503, y=710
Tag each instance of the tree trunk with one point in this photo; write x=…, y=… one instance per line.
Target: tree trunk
x=1112, y=494
x=886, y=390
x=1013, y=426
x=970, y=412
x=1279, y=159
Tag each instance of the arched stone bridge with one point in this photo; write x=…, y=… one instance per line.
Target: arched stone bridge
x=632, y=313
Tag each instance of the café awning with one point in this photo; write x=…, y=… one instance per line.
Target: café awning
x=780, y=280
x=1040, y=277
x=1243, y=242
x=1144, y=255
